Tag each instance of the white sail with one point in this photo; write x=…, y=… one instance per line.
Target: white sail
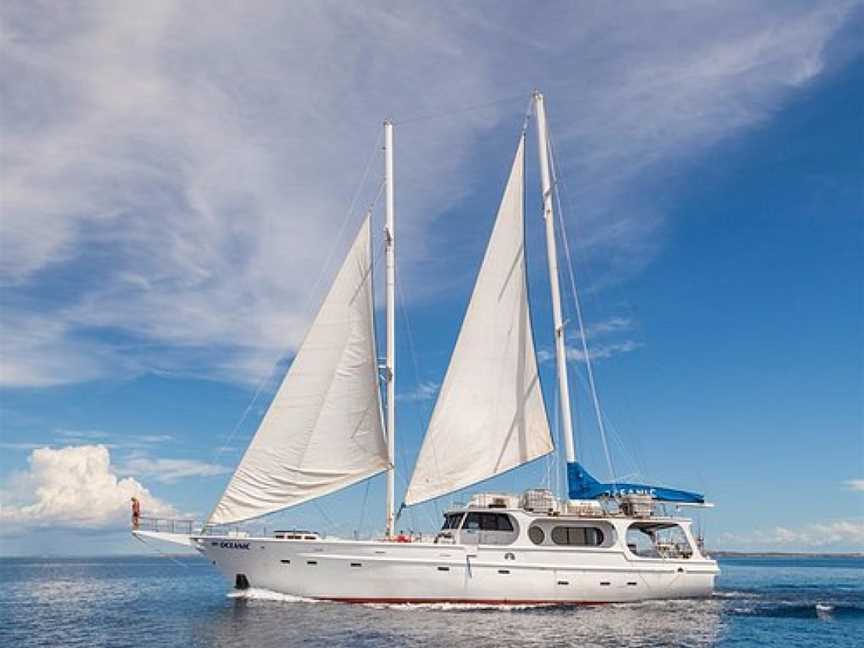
x=324, y=429
x=490, y=415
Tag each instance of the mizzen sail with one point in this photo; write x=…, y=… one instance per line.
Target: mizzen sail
x=490, y=415
x=324, y=428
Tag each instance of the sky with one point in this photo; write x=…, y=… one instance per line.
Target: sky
x=179, y=185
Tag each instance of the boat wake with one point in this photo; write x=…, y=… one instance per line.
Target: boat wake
x=259, y=594
x=460, y=607
x=796, y=610
x=733, y=594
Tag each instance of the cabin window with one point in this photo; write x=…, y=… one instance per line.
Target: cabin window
x=577, y=536
x=658, y=540
x=489, y=522
x=452, y=520
x=535, y=533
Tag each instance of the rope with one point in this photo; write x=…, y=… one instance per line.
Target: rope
x=588, y=365
x=312, y=293
x=327, y=520
x=157, y=550
x=553, y=459
x=363, y=506
x=616, y=437
x=421, y=412
x=451, y=112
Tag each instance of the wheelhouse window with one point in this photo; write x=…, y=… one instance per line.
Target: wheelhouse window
x=488, y=522
x=577, y=536
x=452, y=520
x=658, y=540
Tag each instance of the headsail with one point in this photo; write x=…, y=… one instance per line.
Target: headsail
x=490, y=415
x=324, y=429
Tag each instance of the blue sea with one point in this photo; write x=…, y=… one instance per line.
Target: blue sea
x=161, y=601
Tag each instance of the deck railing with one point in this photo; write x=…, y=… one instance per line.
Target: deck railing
x=196, y=527
x=166, y=525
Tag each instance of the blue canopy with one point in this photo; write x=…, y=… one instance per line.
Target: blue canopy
x=583, y=486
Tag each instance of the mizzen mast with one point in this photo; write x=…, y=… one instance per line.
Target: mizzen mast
x=552, y=258
x=390, y=367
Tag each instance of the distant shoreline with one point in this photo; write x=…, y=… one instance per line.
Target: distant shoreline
x=713, y=554
x=784, y=554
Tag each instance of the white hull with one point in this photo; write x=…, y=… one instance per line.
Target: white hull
x=390, y=572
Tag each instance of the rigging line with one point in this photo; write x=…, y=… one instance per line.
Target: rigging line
x=377, y=197
x=324, y=515
x=400, y=477
x=553, y=461
x=633, y=457
x=560, y=469
x=363, y=507
x=459, y=111
x=159, y=551
x=312, y=292
x=614, y=436
x=528, y=112
x=547, y=83
x=421, y=411
x=589, y=370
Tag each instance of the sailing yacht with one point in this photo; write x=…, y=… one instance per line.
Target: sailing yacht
x=327, y=428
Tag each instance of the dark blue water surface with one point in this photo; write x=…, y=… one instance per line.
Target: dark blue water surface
x=814, y=602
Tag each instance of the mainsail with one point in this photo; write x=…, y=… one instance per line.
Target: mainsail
x=324, y=429
x=490, y=415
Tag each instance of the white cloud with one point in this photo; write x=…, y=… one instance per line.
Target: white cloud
x=598, y=351
x=612, y=325
x=425, y=390
x=168, y=471
x=75, y=487
x=840, y=534
x=185, y=171
x=855, y=484
x=23, y=445
x=64, y=437
x=595, y=351
x=37, y=350
x=76, y=435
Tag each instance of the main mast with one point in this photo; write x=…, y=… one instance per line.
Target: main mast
x=390, y=369
x=552, y=258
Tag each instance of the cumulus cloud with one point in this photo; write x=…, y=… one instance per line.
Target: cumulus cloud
x=855, y=484
x=839, y=535
x=183, y=172
x=76, y=487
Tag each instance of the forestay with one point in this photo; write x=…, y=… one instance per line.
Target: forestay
x=490, y=415
x=324, y=429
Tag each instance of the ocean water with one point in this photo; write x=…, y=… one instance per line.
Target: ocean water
x=156, y=601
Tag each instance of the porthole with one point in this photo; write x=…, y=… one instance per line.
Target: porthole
x=535, y=533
